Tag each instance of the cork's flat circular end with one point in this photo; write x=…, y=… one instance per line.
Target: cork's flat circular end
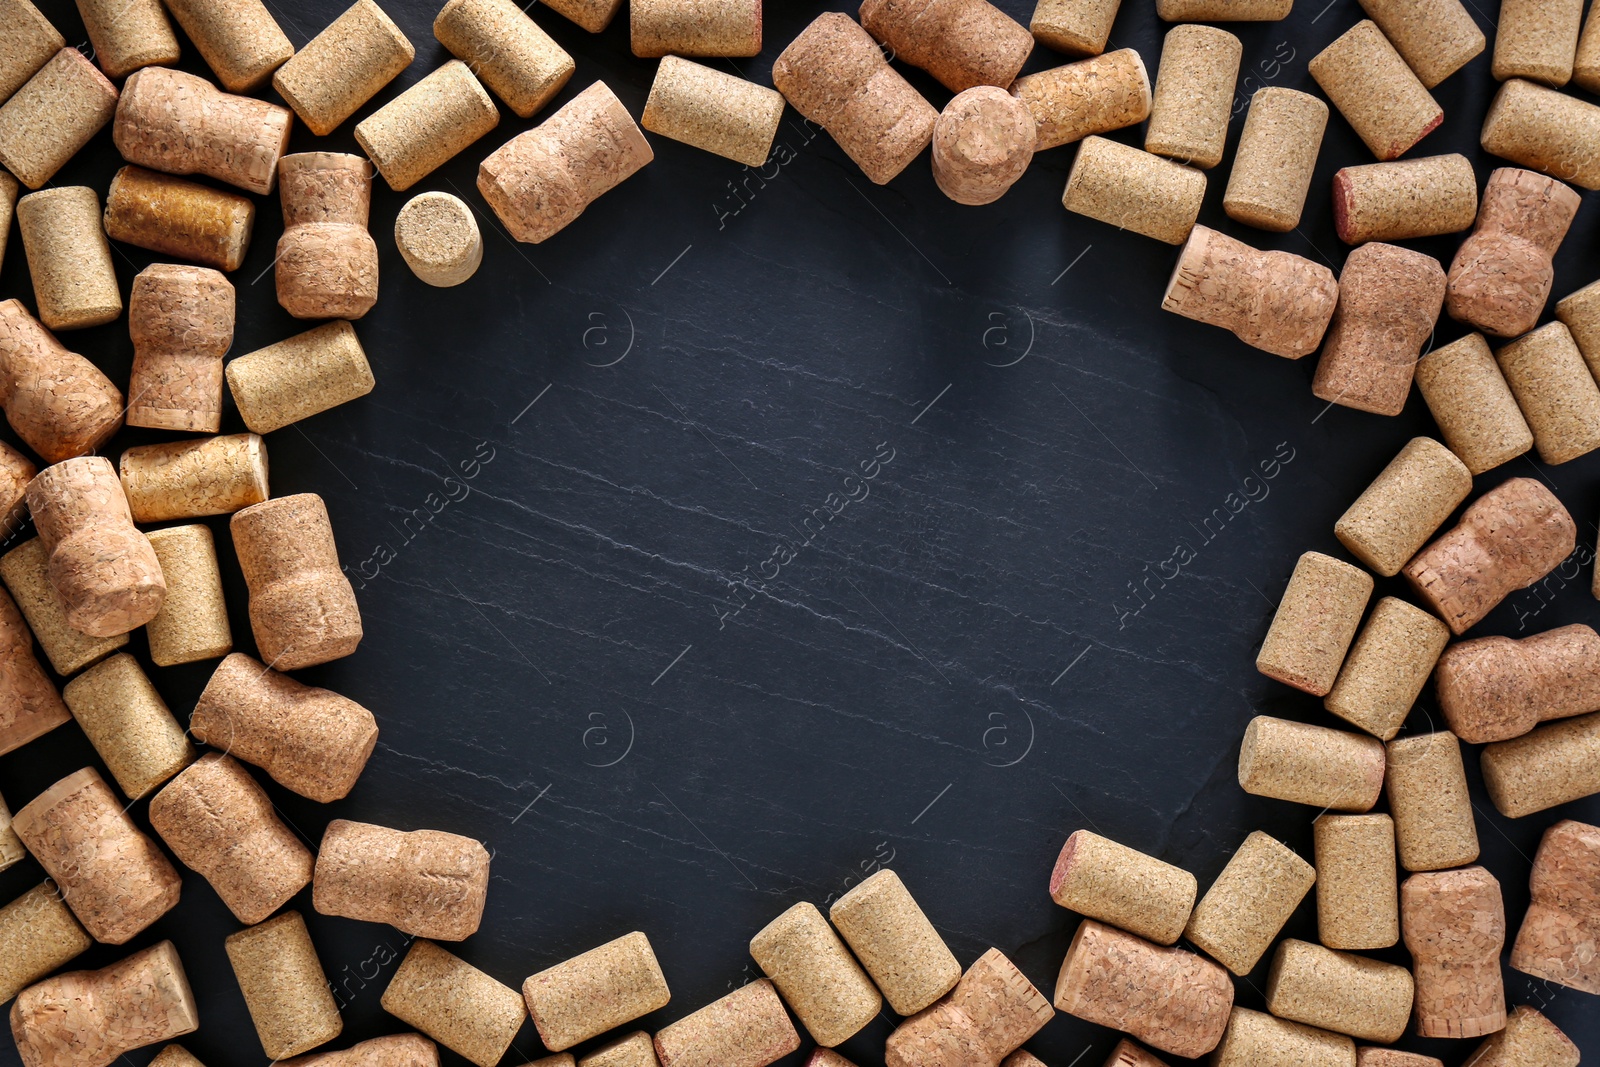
x=29, y=815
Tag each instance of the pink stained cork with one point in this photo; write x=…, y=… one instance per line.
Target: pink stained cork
x=1501, y=277
x=1562, y=927
x=746, y=1028
x=181, y=320
x=1454, y=923
x=962, y=43
x=986, y=1017
x=175, y=122
x=30, y=707
x=393, y=1050
x=1275, y=301
x=59, y=403
x=1528, y=1040
x=425, y=883
x=1497, y=688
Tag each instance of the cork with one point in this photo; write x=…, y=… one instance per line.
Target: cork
x=1580, y=311
x=1375, y=91
x=1537, y=39
x=437, y=235
x=128, y=34
x=1558, y=396
x=38, y=934
x=1544, y=130
x=9, y=190
x=129, y=725
x=540, y=181
x=302, y=608
x=816, y=975
x=284, y=986
x=961, y=43
x=192, y=624
x=1076, y=27
x=180, y=124
x=835, y=75
x=1077, y=100
x=52, y=116
x=1357, y=906
x=181, y=322
x=1405, y=504
x=30, y=42
x=1125, y=1054
x=1170, y=999
x=695, y=27
x=74, y=282
x=426, y=883
x=982, y=142
x=175, y=1055
x=1497, y=688
x=1133, y=190
x=12, y=851
x=1528, y=1038
x=194, y=478
x=1470, y=400
x=1330, y=769
x=1455, y=926
x=343, y=67
x=1194, y=95
x=1255, y=1038
x=1502, y=274
x=59, y=403
x=454, y=1003
x=30, y=707
x=220, y=823
x=1275, y=301
x=592, y=15
x=507, y=50
x=1435, y=37
x=418, y=131
x=179, y=218
x=1339, y=991
x=1506, y=540
x=1558, y=934
x=327, y=262
x=1389, y=301
x=1427, y=787
x=94, y=1018
x=1585, y=64
x=1387, y=667
x=239, y=39
x=1099, y=878
x=113, y=877
x=299, y=377
x=746, y=1028
x=1404, y=199
x=595, y=991
x=310, y=741
x=713, y=111
x=1388, y=1057
x=26, y=573
x=637, y=1049
x=1249, y=903
x=1314, y=623
x=1277, y=153
x=826, y=1057
x=895, y=942
x=1223, y=10
x=1553, y=764
x=987, y=1016
x=16, y=471
x=393, y=1050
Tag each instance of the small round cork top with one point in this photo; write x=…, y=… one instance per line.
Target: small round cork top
x=438, y=237
x=982, y=142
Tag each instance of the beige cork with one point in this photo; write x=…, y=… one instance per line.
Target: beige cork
x=1470, y=400
x=1581, y=313
x=592, y=15
x=1256, y=1039
x=181, y=322
x=816, y=975
x=426, y=883
x=26, y=573
x=1537, y=39
x=1558, y=396
x=1275, y=301
x=896, y=943
x=835, y=75
x=12, y=851
x=16, y=471
x=982, y=142
x=1389, y=301
x=961, y=43
x=454, y=1003
x=826, y=1057
x=1375, y=91
x=327, y=262
x=128, y=34
x=343, y=67
x=988, y=1015
x=1553, y=764
x=1528, y=1040
x=302, y=608
x=1562, y=926
x=1134, y=190
x=746, y=1028
x=695, y=27
x=1427, y=789
x=1223, y=10
x=10, y=188
x=1388, y=1057
x=1585, y=65
x=94, y=1018
x=1435, y=37
x=637, y=1049
x=394, y=1050
x=1329, y=769
x=1315, y=623
x=1497, y=688
x=29, y=43
x=1357, y=905
x=1502, y=275
x=507, y=50
x=299, y=377
x=1077, y=27
x=311, y=741
x=1125, y=1054
x=1403, y=199
x=175, y=1056
x=540, y=181
x=180, y=124
x=1277, y=153
x=74, y=282
x=129, y=725
x=1455, y=926
x=284, y=986
x=1099, y=878
x=194, y=478
x=1246, y=907
x=1339, y=991
x=239, y=39
x=1080, y=99
x=114, y=878
x=220, y=823
x=1509, y=538
x=710, y=110
x=418, y=131
x=595, y=991
x=1405, y=504
x=30, y=707
x=1194, y=95
x=177, y=217
x=50, y=118
x=192, y=624
x=1546, y=131
x=38, y=934
x=1387, y=667
x=437, y=235
x=1168, y=998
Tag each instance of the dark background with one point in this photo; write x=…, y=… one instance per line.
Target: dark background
x=942, y=681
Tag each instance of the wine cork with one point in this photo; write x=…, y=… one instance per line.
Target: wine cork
x=128, y=34
x=1194, y=95
x=426, y=883
x=1404, y=199
x=695, y=27
x=746, y=1028
x=1528, y=1038
x=1133, y=190
x=1427, y=787
x=1170, y=999
x=1314, y=623
x=1339, y=991
x=1553, y=764
x=826, y=1057
x=16, y=471
x=299, y=377
x=1470, y=400
x=12, y=851
x=192, y=624
x=343, y=67
x=1558, y=934
x=637, y=1049
x=1125, y=1054
x=1585, y=65
x=816, y=975
x=962, y=43
x=1357, y=906
x=30, y=42
x=175, y=1055
x=592, y=15
x=45, y=123
x=175, y=122
x=835, y=75
x=1256, y=1039
x=1537, y=39
x=394, y=1050
x=1375, y=91
x=454, y=1003
x=327, y=262
x=284, y=986
x=1557, y=394
x=1329, y=769
x=1506, y=540
x=1405, y=504
x=1277, y=153
x=302, y=609
x=987, y=1016
x=10, y=189
x=507, y=50
x=239, y=39
x=94, y=1018
x=1387, y=667
x=1388, y=1057
x=26, y=573
x=1501, y=276
x=308, y=740
x=982, y=142
x=129, y=725
x=1435, y=37
x=713, y=111
x=179, y=218
x=1223, y=10
x=896, y=943
x=220, y=823
x=1076, y=100
x=1099, y=878
x=438, y=237
x=1455, y=925
x=181, y=322
x=1496, y=688
x=1275, y=301
x=32, y=706
x=113, y=877
x=1389, y=300
x=194, y=478
x=74, y=282
x=1544, y=130
x=1249, y=903
x=1077, y=27
x=38, y=934
x=1580, y=311
x=418, y=131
